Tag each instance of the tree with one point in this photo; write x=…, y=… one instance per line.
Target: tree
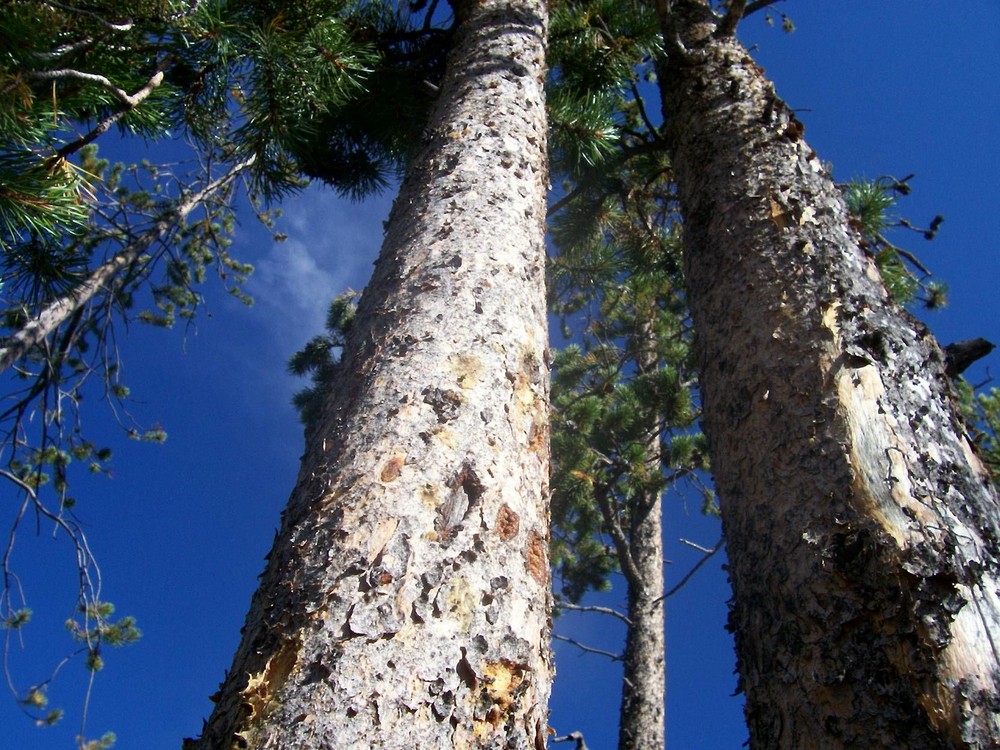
x=861, y=526
x=405, y=601
x=623, y=417
x=89, y=247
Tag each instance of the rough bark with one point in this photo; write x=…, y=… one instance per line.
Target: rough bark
x=861, y=527
x=641, y=725
x=406, y=599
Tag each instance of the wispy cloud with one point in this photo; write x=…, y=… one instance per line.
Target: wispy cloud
x=331, y=246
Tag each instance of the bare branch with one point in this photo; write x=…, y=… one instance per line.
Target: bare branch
x=592, y=608
x=698, y=547
x=131, y=103
x=131, y=100
x=59, y=310
x=759, y=5
x=587, y=649
x=697, y=566
x=126, y=26
x=638, y=99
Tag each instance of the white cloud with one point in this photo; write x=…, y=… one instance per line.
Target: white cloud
x=331, y=246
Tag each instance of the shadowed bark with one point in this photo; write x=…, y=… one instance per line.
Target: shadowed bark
x=861, y=527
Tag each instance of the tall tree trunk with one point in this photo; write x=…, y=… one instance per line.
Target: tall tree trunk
x=406, y=599
x=641, y=725
x=861, y=527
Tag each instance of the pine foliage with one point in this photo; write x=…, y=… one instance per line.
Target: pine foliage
x=871, y=204
x=627, y=366
x=319, y=358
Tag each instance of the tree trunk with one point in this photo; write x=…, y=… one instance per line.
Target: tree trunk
x=405, y=603
x=641, y=725
x=862, y=529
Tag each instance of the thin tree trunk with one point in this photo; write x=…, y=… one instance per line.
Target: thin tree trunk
x=406, y=599
x=108, y=275
x=641, y=725
x=861, y=527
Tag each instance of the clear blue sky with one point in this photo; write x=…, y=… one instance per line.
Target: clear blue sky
x=181, y=530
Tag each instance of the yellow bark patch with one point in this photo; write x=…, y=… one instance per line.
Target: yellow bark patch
x=430, y=496
x=830, y=318
x=467, y=368
x=502, y=681
x=538, y=437
x=380, y=537
x=446, y=437
x=460, y=602
x=780, y=215
x=263, y=686
x=876, y=456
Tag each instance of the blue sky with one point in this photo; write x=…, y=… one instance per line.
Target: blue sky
x=182, y=528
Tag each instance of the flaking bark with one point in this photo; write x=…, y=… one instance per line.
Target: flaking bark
x=862, y=529
x=405, y=602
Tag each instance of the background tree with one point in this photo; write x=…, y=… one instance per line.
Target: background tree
x=624, y=428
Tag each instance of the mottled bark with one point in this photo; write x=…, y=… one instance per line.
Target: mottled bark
x=641, y=724
x=405, y=603
x=861, y=527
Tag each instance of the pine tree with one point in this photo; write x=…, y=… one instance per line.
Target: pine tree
x=88, y=246
x=405, y=601
x=861, y=526
x=623, y=419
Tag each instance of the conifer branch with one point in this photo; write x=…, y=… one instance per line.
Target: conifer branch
x=102, y=81
x=59, y=310
x=131, y=101
x=637, y=96
x=628, y=566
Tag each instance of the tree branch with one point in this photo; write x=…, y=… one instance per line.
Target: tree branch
x=697, y=566
x=126, y=26
x=734, y=14
x=593, y=608
x=131, y=100
x=587, y=649
x=759, y=5
x=131, y=103
x=624, y=554
x=59, y=310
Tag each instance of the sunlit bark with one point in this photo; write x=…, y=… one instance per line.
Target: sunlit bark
x=406, y=599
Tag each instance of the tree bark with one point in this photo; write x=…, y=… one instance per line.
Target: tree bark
x=641, y=725
x=862, y=528
x=405, y=603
